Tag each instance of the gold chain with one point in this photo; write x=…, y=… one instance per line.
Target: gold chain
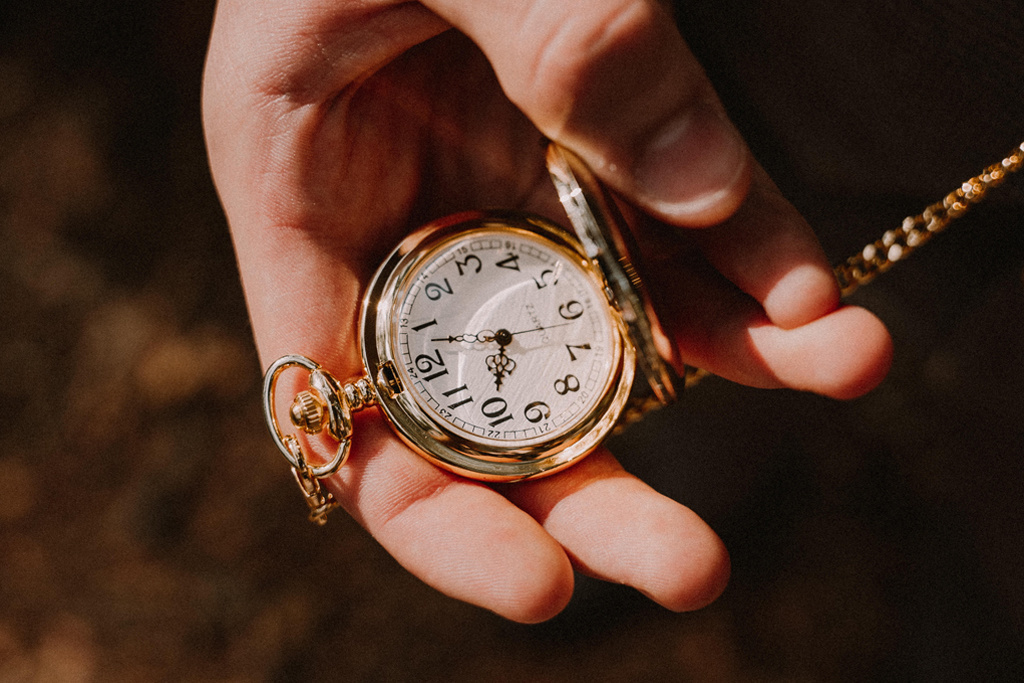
x=319, y=500
x=896, y=245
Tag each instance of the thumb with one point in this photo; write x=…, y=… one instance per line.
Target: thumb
x=614, y=81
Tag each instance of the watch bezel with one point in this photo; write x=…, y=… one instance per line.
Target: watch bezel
x=426, y=432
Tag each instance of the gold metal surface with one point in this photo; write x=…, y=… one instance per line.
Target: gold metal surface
x=319, y=500
x=325, y=398
x=388, y=380
x=604, y=238
x=339, y=423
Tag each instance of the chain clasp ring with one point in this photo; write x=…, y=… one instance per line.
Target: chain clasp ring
x=325, y=406
x=325, y=390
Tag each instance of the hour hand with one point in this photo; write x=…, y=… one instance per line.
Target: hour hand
x=469, y=337
x=499, y=364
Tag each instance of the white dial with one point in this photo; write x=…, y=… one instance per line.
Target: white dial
x=505, y=338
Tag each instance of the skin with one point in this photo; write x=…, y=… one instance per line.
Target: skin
x=334, y=128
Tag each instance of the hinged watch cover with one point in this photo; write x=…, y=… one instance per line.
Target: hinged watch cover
x=599, y=226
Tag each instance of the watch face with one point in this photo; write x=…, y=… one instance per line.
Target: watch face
x=503, y=341
x=505, y=337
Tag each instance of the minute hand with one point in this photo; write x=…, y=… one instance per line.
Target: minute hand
x=545, y=327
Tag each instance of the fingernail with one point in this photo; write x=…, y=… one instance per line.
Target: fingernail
x=692, y=164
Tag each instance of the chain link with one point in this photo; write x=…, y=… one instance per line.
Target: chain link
x=896, y=245
x=319, y=500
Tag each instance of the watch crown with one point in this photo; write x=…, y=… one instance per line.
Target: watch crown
x=308, y=411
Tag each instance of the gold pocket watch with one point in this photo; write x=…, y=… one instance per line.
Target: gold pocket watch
x=499, y=345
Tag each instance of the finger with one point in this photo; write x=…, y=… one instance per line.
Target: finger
x=617, y=528
x=616, y=84
x=290, y=175
x=770, y=252
x=460, y=537
x=717, y=327
x=657, y=135
x=843, y=355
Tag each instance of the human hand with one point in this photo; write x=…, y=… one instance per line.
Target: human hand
x=334, y=128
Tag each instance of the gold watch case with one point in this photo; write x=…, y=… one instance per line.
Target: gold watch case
x=435, y=438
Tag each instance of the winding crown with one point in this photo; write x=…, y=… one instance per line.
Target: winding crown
x=308, y=411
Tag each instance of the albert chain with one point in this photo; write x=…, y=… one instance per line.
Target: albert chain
x=327, y=405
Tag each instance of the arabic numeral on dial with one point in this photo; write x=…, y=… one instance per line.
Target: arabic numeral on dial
x=569, y=383
x=511, y=263
x=434, y=291
x=578, y=347
x=452, y=392
x=537, y=411
x=547, y=277
x=463, y=265
x=495, y=408
x=426, y=363
x=571, y=310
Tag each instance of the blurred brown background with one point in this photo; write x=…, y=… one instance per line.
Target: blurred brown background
x=149, y=531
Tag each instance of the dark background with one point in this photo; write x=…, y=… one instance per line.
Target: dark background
x=149, y=530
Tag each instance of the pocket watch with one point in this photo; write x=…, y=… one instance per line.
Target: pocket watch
x=498, y=344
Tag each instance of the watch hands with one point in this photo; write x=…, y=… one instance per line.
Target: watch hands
x=545, y=327
x=489, y=336
x=485, y=336
x=499, y=364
